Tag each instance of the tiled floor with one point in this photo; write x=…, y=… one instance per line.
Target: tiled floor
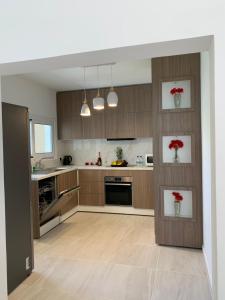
x=105, y=257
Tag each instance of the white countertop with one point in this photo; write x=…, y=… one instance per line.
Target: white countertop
x=65, y=169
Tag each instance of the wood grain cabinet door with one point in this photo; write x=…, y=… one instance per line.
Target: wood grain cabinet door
x=143, y=189
x=64, y=115
x=143, y=124
x=120, y=125
x=68, y=115
x=91, y=187
x=67, y=181
x=94, y=126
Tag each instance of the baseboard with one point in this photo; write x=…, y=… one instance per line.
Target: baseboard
x=116, y=210
x=207, y=268
x=68, y=214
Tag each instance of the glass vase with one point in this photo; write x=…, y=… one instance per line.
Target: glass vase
x=177, y=206
x=177, y=100
x=176, y=159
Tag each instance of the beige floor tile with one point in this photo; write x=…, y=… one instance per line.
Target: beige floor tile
x=187, y=261
x=94, y=256
x=177, y=286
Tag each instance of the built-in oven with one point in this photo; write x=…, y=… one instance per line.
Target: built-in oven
x=118, y=190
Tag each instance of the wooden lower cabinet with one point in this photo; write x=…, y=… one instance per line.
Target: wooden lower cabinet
x=73, y=202
x=66, y=181
x=143, y=189
x=91, y=187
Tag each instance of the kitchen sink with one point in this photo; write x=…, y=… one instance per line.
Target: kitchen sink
x=47, y=171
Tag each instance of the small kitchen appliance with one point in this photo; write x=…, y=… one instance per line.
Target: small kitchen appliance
x=67, y=159
x=149, y=160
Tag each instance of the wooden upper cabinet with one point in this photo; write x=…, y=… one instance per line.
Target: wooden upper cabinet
x=64, y=108
x=120, y=125
x=132, y=118
x=68, y=115
x=143, y=97
x=94, y=126
x=143, y=124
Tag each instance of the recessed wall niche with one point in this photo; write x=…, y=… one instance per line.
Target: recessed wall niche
x=177, y=203
x=176, y=149
x=176, y=94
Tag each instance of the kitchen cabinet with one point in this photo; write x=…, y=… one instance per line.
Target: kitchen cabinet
x=143, y=189
x=46, y=201
x=68, y=115
x=94, y=126
x=67, y=181
x=143, y=124
x=132, y=118
x=91, y=187
x=120, y=125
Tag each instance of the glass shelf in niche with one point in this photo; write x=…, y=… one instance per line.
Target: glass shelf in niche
x=177, y=203
x=176, y=94
x=176, y=149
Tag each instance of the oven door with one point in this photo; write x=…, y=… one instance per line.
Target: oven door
x=118, y=193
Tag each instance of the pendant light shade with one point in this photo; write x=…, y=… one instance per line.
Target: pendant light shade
x=112, y=98
x=98, y=102
x=85, y=110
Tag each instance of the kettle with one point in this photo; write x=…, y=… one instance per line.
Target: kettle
x=67, y=159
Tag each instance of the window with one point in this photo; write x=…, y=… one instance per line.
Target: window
x=41, y=138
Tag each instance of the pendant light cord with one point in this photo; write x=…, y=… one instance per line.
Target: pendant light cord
x=85, y=96
x=98, y=81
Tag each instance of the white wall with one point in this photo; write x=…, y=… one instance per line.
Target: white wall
x=87, y=150
x=3, y=278
x=206, y=160
x=40, y=100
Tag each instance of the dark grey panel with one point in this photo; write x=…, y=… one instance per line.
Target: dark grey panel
x=17, y=192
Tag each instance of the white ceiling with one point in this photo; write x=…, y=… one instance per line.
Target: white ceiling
x=124, y=73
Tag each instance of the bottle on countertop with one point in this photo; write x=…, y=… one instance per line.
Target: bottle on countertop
x=99, y=161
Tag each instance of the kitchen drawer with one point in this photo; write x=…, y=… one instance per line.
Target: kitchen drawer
x=67, y=181
x=90, y=176
x=70, y=204
x=91, y=199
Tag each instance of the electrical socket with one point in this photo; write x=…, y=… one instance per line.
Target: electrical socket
x=27, y=263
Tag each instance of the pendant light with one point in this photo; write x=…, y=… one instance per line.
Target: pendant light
x=85, y=110
x=112, y=98
x=98, y=101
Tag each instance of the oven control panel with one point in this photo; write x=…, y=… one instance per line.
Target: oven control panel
x=118, y=179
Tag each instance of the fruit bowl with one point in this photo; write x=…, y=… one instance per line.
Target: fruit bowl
x=119, y=163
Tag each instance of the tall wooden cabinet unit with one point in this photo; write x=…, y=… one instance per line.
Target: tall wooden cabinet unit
x=68, y=115
x=177, y=180
x=132, y=118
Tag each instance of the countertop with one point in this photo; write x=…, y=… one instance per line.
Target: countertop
x=64, y=169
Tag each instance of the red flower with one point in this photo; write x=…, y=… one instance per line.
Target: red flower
x=176, y=144
x=178, y=197
x=176, y=91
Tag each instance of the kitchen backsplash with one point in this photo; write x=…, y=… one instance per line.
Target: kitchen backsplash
x=87, y=150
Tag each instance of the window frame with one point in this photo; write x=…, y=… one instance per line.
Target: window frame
x=42, y=121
